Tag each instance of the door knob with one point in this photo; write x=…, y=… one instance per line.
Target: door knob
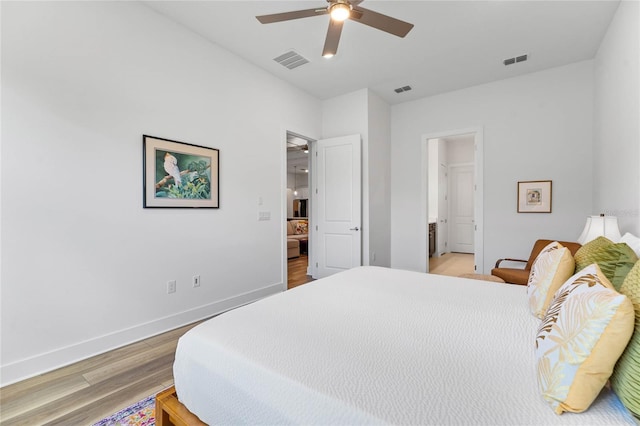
x=354, y=229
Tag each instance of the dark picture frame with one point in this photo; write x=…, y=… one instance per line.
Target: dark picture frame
x=534, y=196
x=179, y=175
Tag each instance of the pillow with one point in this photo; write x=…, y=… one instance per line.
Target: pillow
x=625, y=379
x=615, y=261
x=586, y=328
x=551, y=268
x=302, y=227
x=632, y=241
x=584, y=255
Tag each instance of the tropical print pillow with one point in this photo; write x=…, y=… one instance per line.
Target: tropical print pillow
x=582, y=335
x=551, y=268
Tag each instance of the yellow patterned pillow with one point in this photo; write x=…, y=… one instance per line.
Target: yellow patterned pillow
x=625, y=379
x=584, y=255
x=551, y=268
x=586, y=328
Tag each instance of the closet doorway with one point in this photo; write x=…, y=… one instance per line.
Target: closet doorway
x=454, y=203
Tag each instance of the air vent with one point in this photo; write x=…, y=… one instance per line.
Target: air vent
x=291, y=60
x=402, y=89
x=515, y=60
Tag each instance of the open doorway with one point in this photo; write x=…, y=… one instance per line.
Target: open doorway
x=454, y=203
x=298, y=212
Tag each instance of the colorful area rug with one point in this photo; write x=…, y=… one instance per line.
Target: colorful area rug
x=142, y=413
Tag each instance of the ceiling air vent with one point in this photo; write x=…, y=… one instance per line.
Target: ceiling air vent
x=515, y=60
x=291, y=60
x=402, y=89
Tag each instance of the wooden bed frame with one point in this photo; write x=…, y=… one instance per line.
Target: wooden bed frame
x=171, y=412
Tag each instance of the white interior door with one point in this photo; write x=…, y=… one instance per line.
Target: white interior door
x=339, y=202
x=462, y=223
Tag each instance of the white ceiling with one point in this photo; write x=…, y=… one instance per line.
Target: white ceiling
x=454, y=44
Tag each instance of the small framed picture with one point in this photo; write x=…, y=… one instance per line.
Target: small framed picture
x=534, y=196
x=179, y=175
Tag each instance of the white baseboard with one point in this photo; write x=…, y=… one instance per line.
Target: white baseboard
x=45, y=362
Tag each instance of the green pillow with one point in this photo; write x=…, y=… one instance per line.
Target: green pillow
x=625, y=379
x=584, y=256
x=615, y=260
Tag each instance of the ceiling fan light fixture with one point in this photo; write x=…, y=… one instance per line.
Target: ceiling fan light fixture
x=340, y=11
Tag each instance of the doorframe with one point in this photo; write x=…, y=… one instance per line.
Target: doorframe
x=478, y=208
x=284, y=267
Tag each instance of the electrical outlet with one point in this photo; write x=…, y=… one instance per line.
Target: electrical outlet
x=196, y=281
x=171, y=286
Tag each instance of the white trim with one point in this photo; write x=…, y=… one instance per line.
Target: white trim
x=478, y=201
x=283, y=208
x=313, y=231
x=42, y=363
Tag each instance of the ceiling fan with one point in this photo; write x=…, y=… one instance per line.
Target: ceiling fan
x=341, y=10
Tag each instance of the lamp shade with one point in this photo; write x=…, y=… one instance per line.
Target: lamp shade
x=600, y=226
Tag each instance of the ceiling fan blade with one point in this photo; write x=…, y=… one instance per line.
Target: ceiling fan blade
x=287, y=16
x=382, y=22
x=333, y=38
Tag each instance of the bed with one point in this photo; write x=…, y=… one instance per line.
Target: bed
x=374, y=346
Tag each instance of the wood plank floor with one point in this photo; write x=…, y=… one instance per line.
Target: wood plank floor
x=90, y=390
x=452, y=264
x=297, y=271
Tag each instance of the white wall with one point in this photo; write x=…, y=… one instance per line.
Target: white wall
x=535, y=127
x=84, y=265
x=460, y=151
x=432, y=179
x=299, y=182
x=365, y=113
x=379, y=181
x=347, y=115
x=616, y=120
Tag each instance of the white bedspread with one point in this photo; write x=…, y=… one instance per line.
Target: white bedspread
x=374, y=345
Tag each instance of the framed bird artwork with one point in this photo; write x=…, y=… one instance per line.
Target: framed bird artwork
x=179, y=175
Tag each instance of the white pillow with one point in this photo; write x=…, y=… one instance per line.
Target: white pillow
x=632, y=241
